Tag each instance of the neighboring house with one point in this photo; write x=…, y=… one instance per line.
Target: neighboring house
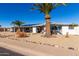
x=60, y=28
x=3, y=29
x=72, y=30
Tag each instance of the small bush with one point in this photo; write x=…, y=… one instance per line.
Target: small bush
x=20, y=34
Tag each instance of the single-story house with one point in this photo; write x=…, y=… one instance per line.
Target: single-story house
x=4, y=29
x=72, y=29
x=35, y=28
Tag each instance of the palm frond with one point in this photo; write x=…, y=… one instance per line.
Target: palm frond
x=17, y=23
x=46, y=8
x=59, y=4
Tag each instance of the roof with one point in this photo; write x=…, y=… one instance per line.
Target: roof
x=64, y=24
x=31, y=25
x=57, y=24
x=60, y=24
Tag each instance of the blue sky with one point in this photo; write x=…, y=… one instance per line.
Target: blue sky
x=22, y=11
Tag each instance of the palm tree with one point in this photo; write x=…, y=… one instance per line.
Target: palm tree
x=46, y=8
x=17, y=23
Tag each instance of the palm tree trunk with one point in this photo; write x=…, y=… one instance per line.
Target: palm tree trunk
x=48, y=32
x=14, y=28
x=4, y=30
x=19, y=28
x=22, y=28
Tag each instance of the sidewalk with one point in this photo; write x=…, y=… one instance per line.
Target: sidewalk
x=31, y=49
